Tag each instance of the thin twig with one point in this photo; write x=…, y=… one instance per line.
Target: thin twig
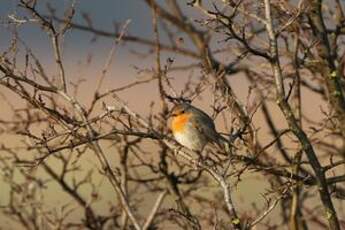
x=154, y=210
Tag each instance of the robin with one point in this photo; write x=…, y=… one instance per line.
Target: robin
x=193, y=128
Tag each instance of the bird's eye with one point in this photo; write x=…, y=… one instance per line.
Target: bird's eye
x=182, y=111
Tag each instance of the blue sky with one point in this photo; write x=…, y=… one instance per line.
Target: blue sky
x=104, y=14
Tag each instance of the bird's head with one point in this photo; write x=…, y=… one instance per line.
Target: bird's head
x=180, y=109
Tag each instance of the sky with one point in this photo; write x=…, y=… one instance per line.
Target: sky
x=104, y=14
x=78, y=46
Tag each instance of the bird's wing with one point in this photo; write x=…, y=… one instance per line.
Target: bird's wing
x=209, y=130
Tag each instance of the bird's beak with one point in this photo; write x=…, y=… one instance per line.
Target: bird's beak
x=171, y=114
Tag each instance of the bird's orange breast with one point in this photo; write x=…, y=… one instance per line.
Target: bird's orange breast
x=178, y=123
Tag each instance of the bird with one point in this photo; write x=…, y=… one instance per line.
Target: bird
x=194, y=129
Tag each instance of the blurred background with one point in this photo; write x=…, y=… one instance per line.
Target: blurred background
x=85, y=56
